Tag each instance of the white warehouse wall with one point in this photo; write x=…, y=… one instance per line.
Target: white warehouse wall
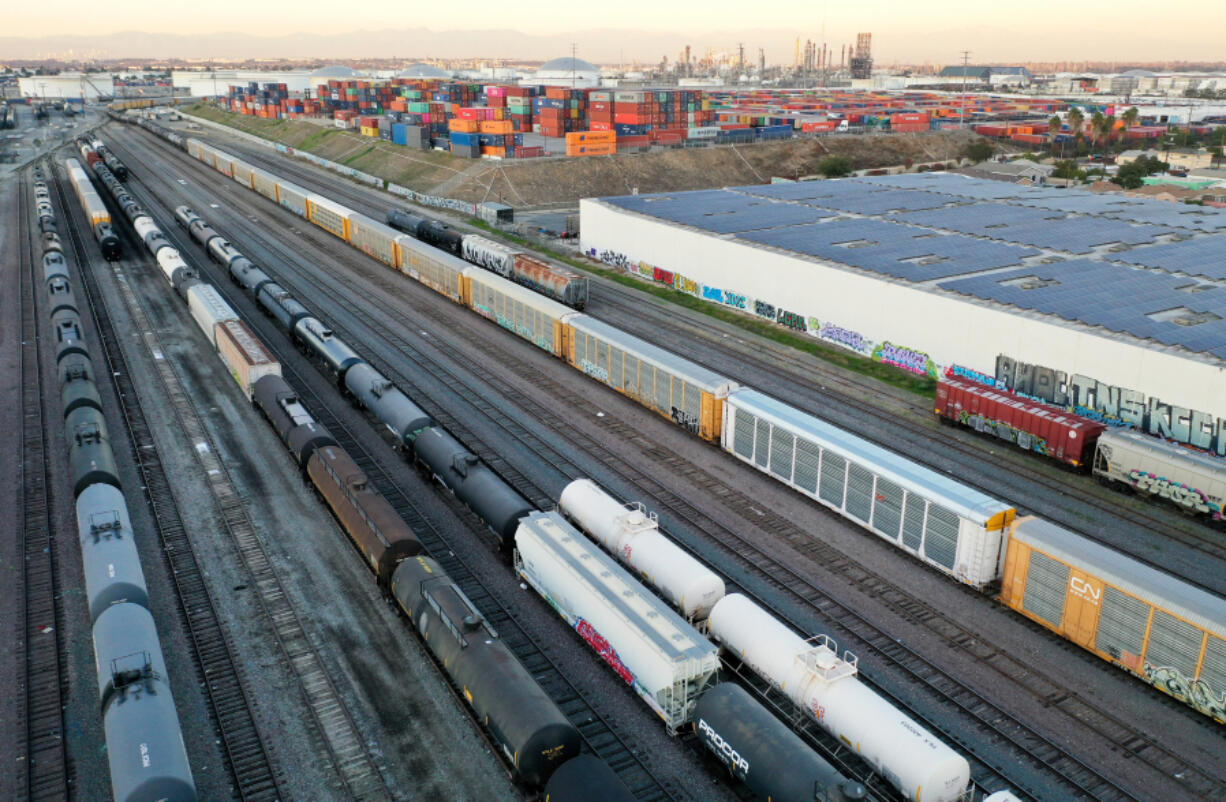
x=948, y=328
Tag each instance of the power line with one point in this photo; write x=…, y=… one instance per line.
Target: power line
x=966, y=56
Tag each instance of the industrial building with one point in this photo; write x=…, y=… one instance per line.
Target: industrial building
x=1113, y=305
x=87, y=87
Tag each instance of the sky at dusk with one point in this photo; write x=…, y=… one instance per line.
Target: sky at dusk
x=911, y=31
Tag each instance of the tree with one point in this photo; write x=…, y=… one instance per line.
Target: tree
x=980, y=151
x=1096, y=125
x=1130, y=117
x=1075, y=122
x=835, y=166
x=1130, y=176
x=1068, y=169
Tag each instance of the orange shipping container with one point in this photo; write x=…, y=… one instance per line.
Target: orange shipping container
x=591, y=137
x=496, y=127
x=603, y=149
x=463, y=126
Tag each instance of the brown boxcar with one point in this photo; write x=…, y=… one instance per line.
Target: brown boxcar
x=380, y=534
x=1165, y=631
x=1031, y=425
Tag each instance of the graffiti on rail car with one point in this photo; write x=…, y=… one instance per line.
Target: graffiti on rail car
x=1197, y=693
x=592, y=369
x=1177, y=492
x=603, y=648
x=1004, y=431
x=685, y=420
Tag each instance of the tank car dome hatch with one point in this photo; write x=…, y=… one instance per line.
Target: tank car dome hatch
x=420, y=70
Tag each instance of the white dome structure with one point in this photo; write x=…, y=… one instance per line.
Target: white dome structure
x=422, y=71
x=335, y=71
x=567, y=71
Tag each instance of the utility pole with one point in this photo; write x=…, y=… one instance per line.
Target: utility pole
x=573, y=49
x=966, y=57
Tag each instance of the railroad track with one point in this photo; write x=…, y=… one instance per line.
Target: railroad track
x=848, y=407
x=596, y=729
x=1074, y=776
x=46, y=773
x=248, y=764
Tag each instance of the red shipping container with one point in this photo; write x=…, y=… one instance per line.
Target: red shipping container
x=1031, y=425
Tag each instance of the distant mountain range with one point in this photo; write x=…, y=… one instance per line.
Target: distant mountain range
x=937, y=41
x=601, y=46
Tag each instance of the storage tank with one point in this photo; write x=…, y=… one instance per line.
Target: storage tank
x=762, y=752
x=632, y=535
x=665, y=660
x=813, y=676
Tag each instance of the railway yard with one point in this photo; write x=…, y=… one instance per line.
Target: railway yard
x=295, y=676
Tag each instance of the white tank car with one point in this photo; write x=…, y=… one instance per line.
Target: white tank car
x=813, y=676
x=144, y=226
x=1002, y=796
x=633, y=536
x=170, y=260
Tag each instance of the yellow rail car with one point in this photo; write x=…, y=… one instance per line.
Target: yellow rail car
x=686, y=393
x=437, y=269
x=530, y=315
x=374, y=239
x=329, y=215
x=1163, y=630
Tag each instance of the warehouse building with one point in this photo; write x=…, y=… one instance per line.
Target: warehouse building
x=87, y=87
x=1112, y=306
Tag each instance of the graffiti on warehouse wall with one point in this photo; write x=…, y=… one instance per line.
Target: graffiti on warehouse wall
x=1117, y=406
x=908, y=359
x=840, y=336
x=890, y=353
x=959, y=372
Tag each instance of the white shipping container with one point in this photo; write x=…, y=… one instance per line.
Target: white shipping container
x=632, y=535
x=243, y=353
x=208, y=308
x=702, y=132
x=488, y=254
x=813, y=676
x=663, y=658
